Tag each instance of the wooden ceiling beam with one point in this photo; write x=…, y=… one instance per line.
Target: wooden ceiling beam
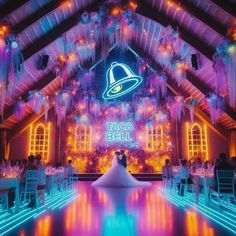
x=31, y=19
x=203, y=16
x=11, y=6
x=56, y=32
x=144, y=9
x=229, y=6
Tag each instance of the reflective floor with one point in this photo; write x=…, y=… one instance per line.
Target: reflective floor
x=122, y=212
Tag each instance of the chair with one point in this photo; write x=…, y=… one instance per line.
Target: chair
x=31, y=183
x=225, y=186
x=185, y=187
x=71, y=178
x=167, y=179
x=4, y=198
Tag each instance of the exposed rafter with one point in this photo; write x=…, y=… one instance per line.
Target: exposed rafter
x=204, y=17
x=29, y=20
x=144, y=9
x=11, y=6
x=229, y=6
x=56, y=32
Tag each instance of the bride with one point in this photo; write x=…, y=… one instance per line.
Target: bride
x=118, y=176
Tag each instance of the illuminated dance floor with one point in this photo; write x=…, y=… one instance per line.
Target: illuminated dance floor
x=124, y=211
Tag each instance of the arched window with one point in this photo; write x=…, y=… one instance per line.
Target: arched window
x=39, y=140
x=82, y=138
x=197, y=141
x=155, y=140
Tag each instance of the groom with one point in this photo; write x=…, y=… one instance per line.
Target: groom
x=123, y=158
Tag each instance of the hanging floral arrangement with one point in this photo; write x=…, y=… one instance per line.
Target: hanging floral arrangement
x=178, y=68
x=19, y=109
x=39, y=102
x=175, y=106
x=11, y=63
x=169, y=45
x=192, y=105
x=62, y=102
x=216, y=106
x=158, y=82
x=85, y=48
x=85, y=78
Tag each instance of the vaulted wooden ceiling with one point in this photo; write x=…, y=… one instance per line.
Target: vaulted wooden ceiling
x=40, y=24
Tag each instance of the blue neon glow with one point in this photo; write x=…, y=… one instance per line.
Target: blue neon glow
x=119, y=131
x=120, y=86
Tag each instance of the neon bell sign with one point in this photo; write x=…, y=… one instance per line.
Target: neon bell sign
x=120, y=86
x=119, y=131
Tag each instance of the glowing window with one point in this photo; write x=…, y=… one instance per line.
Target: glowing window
x=39, y=140
x=197, y=141
x=155, y=139
x=82, y=138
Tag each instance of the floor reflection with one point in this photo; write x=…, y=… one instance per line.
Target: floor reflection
x=123, y=212
x=119, y=221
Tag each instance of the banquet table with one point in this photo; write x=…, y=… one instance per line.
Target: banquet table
x=8, y=183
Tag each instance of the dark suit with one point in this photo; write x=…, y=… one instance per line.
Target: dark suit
x=123, y=160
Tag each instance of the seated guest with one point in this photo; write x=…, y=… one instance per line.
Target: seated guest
x=41, y=178
x=222, y=165
x=197, y=164
x=185, y=177
x=70, y=168
x=205, y=165
x=167, y=170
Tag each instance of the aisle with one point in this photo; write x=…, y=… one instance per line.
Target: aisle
x=123, y=212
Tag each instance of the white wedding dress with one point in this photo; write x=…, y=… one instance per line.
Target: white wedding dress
x=118, y=176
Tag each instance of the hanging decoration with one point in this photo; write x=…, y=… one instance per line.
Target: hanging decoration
x=224, y=65
x=85, y=78
x=85, y=48
x=176, y=107
x=216, y=106
x=62, y=102
x=39, y=101
x=160, y=118
x=169, y=45
x=178, y=68
x=158, y=83
x=11, y=63
x=192, y=105
x=19, y=109
x=142, y=66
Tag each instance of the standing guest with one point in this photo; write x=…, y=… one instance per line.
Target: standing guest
x=41, y=178
x=167, y=170
x=184, y=176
